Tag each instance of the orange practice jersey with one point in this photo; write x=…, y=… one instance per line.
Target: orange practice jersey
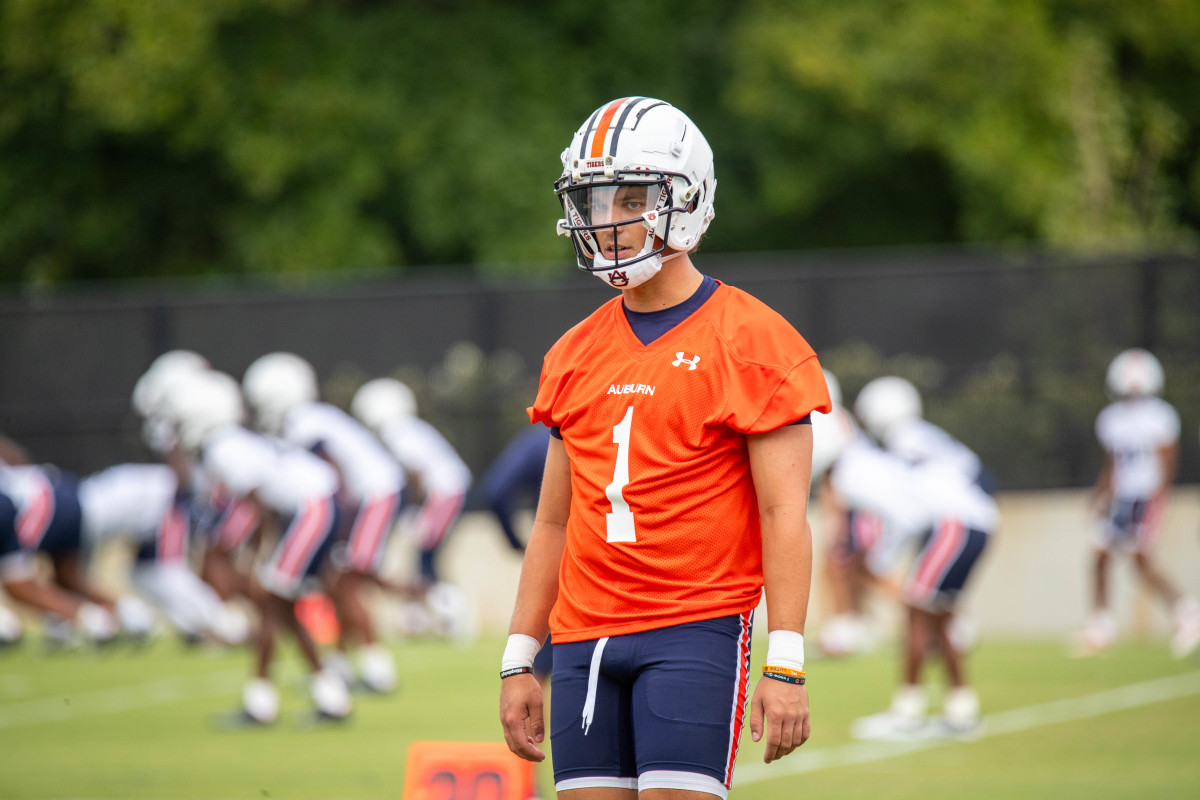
x=664, y=526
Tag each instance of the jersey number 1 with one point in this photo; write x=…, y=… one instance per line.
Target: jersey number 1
x=619, y=521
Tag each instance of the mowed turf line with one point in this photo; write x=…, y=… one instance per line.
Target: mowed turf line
x=124, y=724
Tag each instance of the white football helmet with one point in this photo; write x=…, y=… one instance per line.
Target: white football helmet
x=1135, y=373
x=884, y=402
x=635, y=160
x=205, y=403
x=382, y=401
x=150, y=391
x=274, y=384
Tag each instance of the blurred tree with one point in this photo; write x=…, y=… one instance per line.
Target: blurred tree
x=287, y=136
x=1071, y=123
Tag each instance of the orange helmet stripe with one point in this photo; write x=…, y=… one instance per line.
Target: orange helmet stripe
x=601, y=134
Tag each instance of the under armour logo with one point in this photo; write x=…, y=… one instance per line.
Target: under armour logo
x=680, y=361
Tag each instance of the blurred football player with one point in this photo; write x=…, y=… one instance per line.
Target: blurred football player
x=515, y=474
x=440, y=480
x=891, y=411
x=223, y=522
x=934, y=508
x=282, y=391
x=40, y=514
x=290, y=487
x=143, y=504
x=1139, y=432
x=440, y=475
x=846, y=632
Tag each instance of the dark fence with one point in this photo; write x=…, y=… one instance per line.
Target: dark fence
x=1010, y=351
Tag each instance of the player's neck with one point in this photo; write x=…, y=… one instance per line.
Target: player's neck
x=676, y=281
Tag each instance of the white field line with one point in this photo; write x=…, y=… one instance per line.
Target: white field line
x=1018, y=719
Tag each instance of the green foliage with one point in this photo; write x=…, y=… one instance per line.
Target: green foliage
x=1063, y=122
x=146, y=139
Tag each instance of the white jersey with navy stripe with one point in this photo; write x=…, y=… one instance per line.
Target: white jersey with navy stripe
x=866, y=478
x=909, y=499
x=948, y=494
x=1132, y=432
x=366, y=466
x=918, y=440
x=285, y=476
x=127, y=500
x=421, y=449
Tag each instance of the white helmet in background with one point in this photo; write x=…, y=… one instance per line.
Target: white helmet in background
x=1135, y=373
x=381, y=401
x=151, y=390
x=204, y=404
x=636, y=160
x=274, y=384
x=884, y=402
x=834, y=386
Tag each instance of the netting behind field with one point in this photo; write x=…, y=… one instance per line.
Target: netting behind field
x=1009, y=351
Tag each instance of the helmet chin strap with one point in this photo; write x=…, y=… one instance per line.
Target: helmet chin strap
x=635, y=274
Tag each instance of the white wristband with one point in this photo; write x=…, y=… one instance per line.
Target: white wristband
x=519, y=652
x=785, y=649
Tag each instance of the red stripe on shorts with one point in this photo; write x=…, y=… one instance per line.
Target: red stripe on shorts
x=739, y=704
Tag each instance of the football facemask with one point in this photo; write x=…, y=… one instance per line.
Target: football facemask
x=613, y=224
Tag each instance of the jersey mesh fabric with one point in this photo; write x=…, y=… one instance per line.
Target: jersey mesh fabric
x=732, y=368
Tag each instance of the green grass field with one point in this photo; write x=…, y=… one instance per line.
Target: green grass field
x=141, y=724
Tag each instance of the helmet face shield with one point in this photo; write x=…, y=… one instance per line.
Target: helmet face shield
x=613, y=223
x=614, y=204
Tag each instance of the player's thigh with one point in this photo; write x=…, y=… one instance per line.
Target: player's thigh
x=590, y=726
x=689, y=701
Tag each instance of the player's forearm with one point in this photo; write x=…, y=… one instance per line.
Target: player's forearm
x=538, y=587
x=787, y=567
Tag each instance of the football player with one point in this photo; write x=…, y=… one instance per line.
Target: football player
x=934, y=508
x=282, y=390
x=675, y=487
x=143, y=504
x=291, y=487
x=439, y=474
x=891, y=411
x=1139, y=432
x=40, y=513
x=515, y=473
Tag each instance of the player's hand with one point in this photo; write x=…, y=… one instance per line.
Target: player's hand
x=779, y=713
x=522, y=717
